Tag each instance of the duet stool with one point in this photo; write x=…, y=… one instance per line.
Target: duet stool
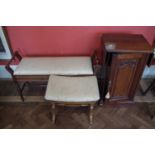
x=72, y=91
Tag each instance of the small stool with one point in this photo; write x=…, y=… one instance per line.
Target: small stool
x=72, y=91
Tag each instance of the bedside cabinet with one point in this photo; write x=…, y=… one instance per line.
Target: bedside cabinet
x=125, y=56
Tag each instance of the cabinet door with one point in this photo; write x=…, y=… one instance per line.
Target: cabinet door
x=125, y=72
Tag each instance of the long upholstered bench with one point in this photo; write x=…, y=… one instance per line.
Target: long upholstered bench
x=54, y=65
x=39, y=68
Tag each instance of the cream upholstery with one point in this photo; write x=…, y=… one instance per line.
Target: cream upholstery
x=72, y=89
x=54, y=65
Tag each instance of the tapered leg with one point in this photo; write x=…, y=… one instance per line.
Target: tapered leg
x=91, y=115
x=19, y=90
x=53, y=113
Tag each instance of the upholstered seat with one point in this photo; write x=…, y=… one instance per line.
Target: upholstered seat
x=72, y=89
x=75, y=91
x=54, y=65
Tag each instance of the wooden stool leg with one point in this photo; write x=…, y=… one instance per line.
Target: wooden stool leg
x=91, y=115
x=53, y=113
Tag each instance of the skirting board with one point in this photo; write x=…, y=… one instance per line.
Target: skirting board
x=17, y=99
x=40, y=99
x=149, y=72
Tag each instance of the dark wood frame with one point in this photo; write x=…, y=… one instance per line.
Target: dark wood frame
x=31, y=78
x=120, y=56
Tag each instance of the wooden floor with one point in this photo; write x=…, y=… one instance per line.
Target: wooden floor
x=35, y=113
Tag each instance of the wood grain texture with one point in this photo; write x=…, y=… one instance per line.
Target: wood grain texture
x=125, y=57
x=39, y=115
x=126, y=43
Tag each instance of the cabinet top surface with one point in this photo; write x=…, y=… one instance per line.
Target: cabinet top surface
x=126, y=43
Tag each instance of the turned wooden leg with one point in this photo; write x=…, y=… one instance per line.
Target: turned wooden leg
x=91, y=115
x=53, y=113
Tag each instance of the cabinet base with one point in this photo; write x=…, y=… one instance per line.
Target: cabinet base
x=120, y=102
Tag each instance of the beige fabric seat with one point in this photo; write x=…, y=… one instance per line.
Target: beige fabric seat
x=72, y=89
x=54, y=65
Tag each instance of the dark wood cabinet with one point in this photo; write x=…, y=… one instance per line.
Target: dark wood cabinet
x=125, y=57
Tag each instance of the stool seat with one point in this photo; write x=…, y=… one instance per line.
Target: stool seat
x=72, y=89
